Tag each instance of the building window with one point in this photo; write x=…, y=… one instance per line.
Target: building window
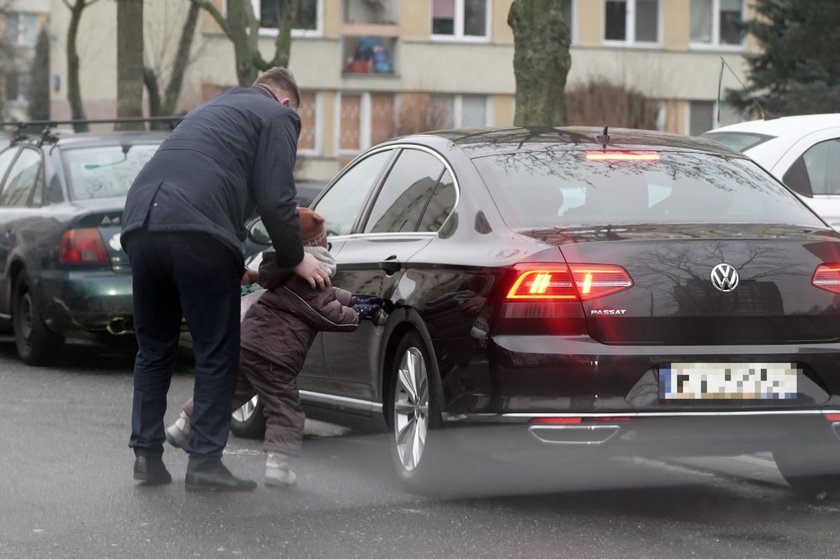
x=716, y=22
x=21, y=29
x=307, y=20
x=370, y=54
x=377, y=12
x=461, y=19
x=382, y=117
x=568, y=8
x=702, y=116
x=461, y=111
x=364, y=119
x=309, y=142
x=17, y=87
x=631, y=21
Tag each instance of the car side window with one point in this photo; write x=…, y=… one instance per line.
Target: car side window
x=6, y=159
x=818, y=167
x=22, y=180
x=343, y=202
x=440, y=205
x=405, y=193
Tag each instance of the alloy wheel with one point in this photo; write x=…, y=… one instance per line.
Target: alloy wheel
x=246, y=411
x=25, y=318
x=411, y=408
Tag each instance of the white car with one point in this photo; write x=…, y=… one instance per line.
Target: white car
x=801, y=151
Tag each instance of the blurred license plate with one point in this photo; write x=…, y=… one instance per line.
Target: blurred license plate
x=727, y=381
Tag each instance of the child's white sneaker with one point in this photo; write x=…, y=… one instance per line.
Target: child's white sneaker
x=277, y=472
x=179, y=432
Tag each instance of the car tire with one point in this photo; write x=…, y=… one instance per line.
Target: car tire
x=248, y=422
x=36, y=343
x=812, y=471
x=417, y=438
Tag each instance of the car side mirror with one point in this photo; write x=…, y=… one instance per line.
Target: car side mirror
x=257, y=233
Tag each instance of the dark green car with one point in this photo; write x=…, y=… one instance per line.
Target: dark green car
x=62, y=270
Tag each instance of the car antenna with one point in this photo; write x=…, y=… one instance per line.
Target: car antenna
x=603, y=138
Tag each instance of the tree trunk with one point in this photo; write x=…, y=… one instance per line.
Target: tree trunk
x=242, y=28
x=238, y=33
x=151, y=82
x=74, y=93
x=129, y=63
x=182, y=60
x=541, y=61
x=283, y=41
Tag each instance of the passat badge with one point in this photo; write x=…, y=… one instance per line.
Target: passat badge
x=725, y=277
x=607, y=312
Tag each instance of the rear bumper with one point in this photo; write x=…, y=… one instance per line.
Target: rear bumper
x=684, y=433
x=96, y=300
x=577, y=374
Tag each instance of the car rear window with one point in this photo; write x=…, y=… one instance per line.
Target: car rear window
x=741, y=141
x=105, y=171
x=562, y=188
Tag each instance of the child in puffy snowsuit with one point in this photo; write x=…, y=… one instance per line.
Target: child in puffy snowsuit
x=276, y=334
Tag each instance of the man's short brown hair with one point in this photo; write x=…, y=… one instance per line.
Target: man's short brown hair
x=280, y=78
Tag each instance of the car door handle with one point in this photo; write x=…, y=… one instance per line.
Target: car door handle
x=390, y=265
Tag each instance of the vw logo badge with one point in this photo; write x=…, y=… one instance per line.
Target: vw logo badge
x=725, y=277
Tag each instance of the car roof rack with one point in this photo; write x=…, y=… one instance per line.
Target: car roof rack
x=46, y=134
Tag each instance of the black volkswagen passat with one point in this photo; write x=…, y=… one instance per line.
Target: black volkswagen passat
x=627, y=290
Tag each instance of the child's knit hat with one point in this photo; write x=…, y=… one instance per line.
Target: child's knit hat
x=312, y=231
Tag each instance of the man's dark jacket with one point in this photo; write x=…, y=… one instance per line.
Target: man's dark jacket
x=229, y=156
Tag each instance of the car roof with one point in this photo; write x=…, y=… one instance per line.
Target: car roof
x=89, y=139
x=487, y=141
x=70, y=140
x=798, y=125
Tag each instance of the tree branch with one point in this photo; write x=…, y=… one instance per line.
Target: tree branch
x=215, y=13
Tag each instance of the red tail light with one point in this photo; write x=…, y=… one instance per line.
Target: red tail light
x=832, y=416
x=573, y=282
x=622, y=156
x=578, y=420
x=82, y=246
x=556, y=421
x=827, y=277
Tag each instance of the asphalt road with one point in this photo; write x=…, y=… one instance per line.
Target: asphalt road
x=66, y=490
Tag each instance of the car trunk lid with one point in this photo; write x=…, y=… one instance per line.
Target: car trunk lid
x=106, y=218
x=674, y=299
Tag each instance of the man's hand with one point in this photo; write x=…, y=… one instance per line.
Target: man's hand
x=250, y=276
x=310, y=270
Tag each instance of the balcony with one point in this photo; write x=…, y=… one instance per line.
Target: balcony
x=370, y=35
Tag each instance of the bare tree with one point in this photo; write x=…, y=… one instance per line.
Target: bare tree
x=163, y=66
x=39, y=78
x=541, y=61
x=599, y=101
x=129, y=63
x=74, y=92
x=243, y=29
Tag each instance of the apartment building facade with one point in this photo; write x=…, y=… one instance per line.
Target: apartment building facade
x=372, y=69
x=20, y=22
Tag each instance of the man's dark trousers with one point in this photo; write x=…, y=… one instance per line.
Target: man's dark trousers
x=194, y=275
